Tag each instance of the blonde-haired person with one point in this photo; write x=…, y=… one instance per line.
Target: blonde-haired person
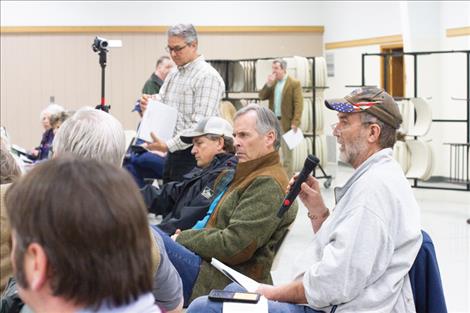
x=9, y=171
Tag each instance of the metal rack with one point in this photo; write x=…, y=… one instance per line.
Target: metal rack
x=465, y=178
x=328, y=178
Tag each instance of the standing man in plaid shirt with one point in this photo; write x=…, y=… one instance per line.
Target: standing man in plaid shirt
x=195, y=90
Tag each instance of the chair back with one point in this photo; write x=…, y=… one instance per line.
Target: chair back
x=426, y=281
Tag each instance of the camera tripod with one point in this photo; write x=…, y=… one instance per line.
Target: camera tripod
x=100, y=45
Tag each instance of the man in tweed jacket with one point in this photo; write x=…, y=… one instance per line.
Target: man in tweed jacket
x=243, y=230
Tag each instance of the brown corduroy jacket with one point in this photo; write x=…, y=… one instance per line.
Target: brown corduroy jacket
x=244, y=230
x=292, y=103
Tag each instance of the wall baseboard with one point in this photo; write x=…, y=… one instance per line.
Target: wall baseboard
x=458, y=31
x=364, y=42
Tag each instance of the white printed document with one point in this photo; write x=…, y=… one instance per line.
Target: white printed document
x=158, y=118
x=293, y=139
x=246, y=282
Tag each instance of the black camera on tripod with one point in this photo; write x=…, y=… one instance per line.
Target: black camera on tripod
x=100, y=44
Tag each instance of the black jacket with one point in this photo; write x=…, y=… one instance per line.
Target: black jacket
x=183, y=203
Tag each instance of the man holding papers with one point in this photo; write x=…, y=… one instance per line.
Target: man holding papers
x=243, y=230
x=286, y=101
x=194, y=90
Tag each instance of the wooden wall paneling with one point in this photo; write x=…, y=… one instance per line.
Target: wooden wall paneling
x=123, y=71
x=35, y=79
x=67, y=64
x=3, y=76
x=22, y=108
x=84, y=62
x=68, y=69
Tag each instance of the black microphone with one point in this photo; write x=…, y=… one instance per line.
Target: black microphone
x=310, y=163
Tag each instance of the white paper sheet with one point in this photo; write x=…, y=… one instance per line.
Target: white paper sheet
x=236, y=307
x=293, y=139
x=246, y=282
x=158, y=118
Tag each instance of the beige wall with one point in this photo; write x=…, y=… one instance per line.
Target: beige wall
x=35, y=66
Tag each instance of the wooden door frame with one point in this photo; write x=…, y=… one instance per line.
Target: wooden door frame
x=388, y=47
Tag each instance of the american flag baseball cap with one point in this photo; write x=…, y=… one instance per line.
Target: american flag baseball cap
x=374, y=100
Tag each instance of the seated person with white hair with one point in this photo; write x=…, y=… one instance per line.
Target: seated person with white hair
x=184, y=203
x=94, y=134
x=41, y=152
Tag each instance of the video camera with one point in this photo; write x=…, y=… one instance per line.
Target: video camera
x=100, y=44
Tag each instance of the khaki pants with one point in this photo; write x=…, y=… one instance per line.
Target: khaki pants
x=286, y=156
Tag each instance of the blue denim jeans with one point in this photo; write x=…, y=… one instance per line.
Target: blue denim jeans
x=145, y=165
x=204, y=305
x=186, y=262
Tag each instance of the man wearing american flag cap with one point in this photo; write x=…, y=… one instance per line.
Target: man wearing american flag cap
x=364, y=247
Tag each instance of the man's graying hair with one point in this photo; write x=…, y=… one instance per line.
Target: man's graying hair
x=265, y=121
x=91, y=134
x=281, y=62
x=185, y=31
x=388, y=134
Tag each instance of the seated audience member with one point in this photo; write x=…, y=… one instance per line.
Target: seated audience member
x=91, y=255
x=243, y=230
x=9, y=171
x=94, y=134
x=149, y=164
x=42, y=151
x=363, y=249
x=184, y=203
x=57, y=119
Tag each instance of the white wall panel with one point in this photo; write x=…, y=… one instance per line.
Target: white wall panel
x=207, y=13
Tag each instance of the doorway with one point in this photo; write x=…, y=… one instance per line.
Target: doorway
x=393, y=81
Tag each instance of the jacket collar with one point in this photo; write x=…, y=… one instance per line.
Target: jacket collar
x=246, y=168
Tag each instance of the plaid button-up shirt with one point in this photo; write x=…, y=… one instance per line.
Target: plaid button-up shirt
x=195, y=90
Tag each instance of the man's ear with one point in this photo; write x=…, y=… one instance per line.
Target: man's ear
x=374, y=133
x=270, y=137
x=35, y=266
x=220, y=143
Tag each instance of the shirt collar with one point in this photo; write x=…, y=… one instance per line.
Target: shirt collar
x=364, y=167
x=191, y=64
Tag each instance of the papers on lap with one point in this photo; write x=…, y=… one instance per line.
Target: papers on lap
x=158, y=118
x=246, y=282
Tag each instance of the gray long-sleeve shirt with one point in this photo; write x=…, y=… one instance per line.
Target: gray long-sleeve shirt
x=362, y=253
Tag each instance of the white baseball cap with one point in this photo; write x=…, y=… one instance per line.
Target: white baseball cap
x=213, y=125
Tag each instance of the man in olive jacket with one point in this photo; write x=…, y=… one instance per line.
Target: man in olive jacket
x=287, y=103
x=243, y=230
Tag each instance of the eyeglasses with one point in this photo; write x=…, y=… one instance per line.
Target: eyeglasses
x=175, y=49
